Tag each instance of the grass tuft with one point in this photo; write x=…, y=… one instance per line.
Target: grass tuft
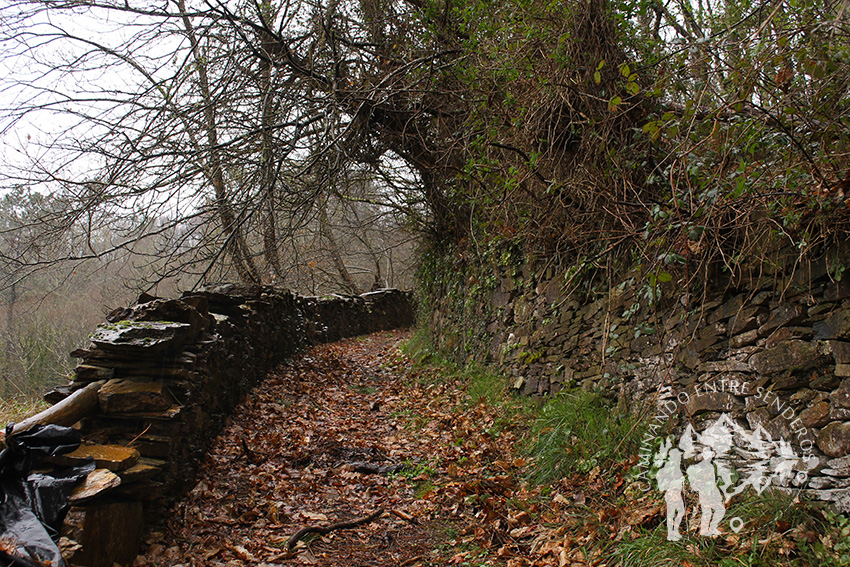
x=776, y=527
x=419, y=347
x=577, y=431
x=650, y=549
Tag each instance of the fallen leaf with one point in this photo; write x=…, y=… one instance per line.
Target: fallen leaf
x=242, y=553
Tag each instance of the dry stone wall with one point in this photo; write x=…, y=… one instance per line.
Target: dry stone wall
x=170, y=371
x=772, y=359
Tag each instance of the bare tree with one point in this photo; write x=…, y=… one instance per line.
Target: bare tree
x=563, y=127
x=227, y=119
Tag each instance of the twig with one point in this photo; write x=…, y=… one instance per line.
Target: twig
x=404, y=516
x=324, y=530
x=374, y=468
x=136, y=438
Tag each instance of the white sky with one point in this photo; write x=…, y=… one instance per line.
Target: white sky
x=34, y=73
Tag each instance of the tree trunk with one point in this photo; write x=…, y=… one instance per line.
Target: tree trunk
x=376, y=259
x=268, y=175
x=10, y=320
x=10, y=334
x=235, y=241
x=69, y=411
x=325, y=229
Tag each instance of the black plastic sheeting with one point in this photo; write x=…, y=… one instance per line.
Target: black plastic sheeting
x=33, y=504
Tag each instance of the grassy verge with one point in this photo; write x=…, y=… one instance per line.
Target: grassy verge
x=481, y=385
x=779, y=530
x=577, y=431
x=16, y=409
x=573, y=498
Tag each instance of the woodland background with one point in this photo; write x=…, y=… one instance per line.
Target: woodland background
x=333, y=145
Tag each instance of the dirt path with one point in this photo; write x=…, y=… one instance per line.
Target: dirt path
x=307, y=447
x=289, y=457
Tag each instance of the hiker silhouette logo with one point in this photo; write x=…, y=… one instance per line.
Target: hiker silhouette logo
x=718, y=464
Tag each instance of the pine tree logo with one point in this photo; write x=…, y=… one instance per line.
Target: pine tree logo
x=720, y=463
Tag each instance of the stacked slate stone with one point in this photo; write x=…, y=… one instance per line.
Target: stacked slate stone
x=786, y=338
x=166, y=373
x=390, y=309
x=333, y=317
x=171, y=369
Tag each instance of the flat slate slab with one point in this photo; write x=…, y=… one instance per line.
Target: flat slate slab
x=143, y=470
x=96, y=483
x=128, y=396
x=113, y=457
x=141, y=337
x=91, y=373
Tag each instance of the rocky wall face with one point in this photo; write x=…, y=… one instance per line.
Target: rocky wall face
x=334, y=317
x=777, y=364
x=173, y=369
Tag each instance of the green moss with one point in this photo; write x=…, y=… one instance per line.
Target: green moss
x=527, y=357
x=128, y=324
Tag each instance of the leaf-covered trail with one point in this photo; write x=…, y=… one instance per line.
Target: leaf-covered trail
x=290, y=454
x=355, y=431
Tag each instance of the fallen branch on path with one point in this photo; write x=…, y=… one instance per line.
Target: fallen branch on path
x=324, y=530
x=254, y=457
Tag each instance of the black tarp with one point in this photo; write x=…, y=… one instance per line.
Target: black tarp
x=33, y=504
